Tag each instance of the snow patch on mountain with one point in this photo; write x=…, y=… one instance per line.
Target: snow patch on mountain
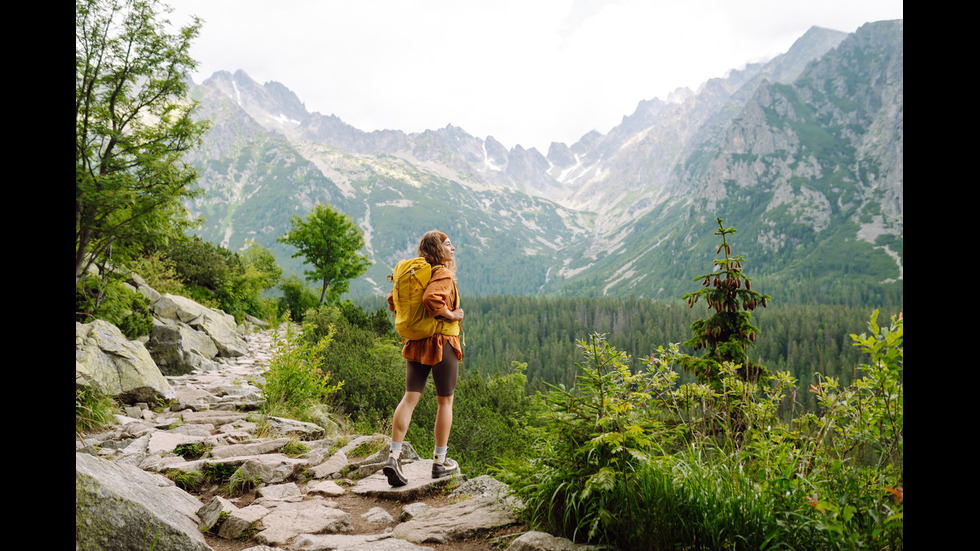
x=283, y=119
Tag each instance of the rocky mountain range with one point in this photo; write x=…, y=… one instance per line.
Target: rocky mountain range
x=802, y=154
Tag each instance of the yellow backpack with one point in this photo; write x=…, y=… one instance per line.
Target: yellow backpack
x=410, y=278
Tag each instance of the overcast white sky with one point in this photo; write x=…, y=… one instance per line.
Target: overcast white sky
x=527, y=72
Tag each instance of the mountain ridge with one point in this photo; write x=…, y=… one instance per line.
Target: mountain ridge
x=583, y=216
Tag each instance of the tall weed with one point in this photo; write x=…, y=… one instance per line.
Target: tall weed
x=294, y=384
x=597, y=437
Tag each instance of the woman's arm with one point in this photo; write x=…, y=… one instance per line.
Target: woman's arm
x=439, y=297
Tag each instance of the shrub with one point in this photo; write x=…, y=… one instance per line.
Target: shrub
x=219, y=278
x=294, y=383
x=159, y=273
x=186, y=480
x=110, y=300
x=191, y=451
x=200, y=263
x=491, y=415
x=371, y=367
x=596, y=439
x=93, y=409
x=296, y=298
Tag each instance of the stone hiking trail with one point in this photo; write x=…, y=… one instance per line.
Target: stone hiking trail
x=327, y=498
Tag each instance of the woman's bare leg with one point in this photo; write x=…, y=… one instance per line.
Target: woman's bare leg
x=444, y=420
x=403, y=416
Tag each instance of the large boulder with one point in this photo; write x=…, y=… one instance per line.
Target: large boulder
x=178, y=349
x=458, y=521
x=112, y=364
x=217, y=325
x=120, y=507
x=136, y=283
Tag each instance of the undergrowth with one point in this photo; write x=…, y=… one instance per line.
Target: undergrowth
x=633, y=460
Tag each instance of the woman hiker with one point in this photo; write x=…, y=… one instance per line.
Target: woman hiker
x=439, y=355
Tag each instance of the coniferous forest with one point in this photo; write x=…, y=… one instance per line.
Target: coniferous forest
x=802, y=339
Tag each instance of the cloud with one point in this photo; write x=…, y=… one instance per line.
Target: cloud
x=525, y=72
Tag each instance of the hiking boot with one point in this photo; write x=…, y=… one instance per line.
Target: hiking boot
x=446, y=468
x=393, y=470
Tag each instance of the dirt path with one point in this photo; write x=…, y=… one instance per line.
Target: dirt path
x=260, y=352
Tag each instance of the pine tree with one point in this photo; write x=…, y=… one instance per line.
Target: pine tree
x=728, y=332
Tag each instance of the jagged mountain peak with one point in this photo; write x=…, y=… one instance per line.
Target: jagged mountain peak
x=601, y=215
x=270, y=104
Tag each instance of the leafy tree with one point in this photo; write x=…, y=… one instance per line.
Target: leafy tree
x=727, y=333
x=330, y=242
x=132, y=124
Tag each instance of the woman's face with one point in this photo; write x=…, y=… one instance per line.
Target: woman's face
x=448, y=251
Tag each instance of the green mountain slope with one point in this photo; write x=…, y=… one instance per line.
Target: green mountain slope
x=803, y=155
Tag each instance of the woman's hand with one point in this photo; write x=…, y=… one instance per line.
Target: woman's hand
x=454, y=315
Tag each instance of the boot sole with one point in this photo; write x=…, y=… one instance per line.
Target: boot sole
x=445, y=474
x=393, y=478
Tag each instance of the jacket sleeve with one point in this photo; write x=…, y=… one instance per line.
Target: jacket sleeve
x=439, y=296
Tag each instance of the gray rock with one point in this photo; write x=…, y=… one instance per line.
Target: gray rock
x=140, y=286
x=481, y=486
x=331, y=466
x=327, y=488
x=294, y=428
x=163, y=442
x=178, y=349
x=389, y=544
x=272, y=468
x=542, y=541
x=119, y=507
x=211, y=512
x=242, y=522
x=250, y=448
x=279, y=491
x=412, y=509
x=420, y=481
x=106, y=360
x=306, y=517
x=377, y=515
x=291, y=508
x=256, y=321
x=330, y=542
x=212, y=417
x=365, y=442
x=458, y=521
x=192, y=398
x=217, y=325
x=365, y=470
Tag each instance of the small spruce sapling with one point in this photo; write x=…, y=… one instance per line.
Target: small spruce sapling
x=728, y=332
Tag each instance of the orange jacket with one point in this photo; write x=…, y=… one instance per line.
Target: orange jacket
x=439, y=298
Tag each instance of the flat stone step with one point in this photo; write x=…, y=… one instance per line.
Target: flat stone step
x=420, y=482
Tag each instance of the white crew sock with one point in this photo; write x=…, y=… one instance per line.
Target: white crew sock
x=439, y=454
